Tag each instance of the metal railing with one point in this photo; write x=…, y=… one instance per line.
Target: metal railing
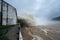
x=7, y=11
x=20, y=34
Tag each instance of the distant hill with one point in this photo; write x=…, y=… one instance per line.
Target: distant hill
x=56, y=18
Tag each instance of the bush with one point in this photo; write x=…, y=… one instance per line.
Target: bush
x=3, y=37
x=4, y=29
x=6, y=26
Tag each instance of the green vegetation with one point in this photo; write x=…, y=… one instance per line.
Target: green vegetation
x=4, y=30
x=3, y=37
x=6, y=26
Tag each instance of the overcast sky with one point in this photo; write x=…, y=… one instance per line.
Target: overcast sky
x=40, y=9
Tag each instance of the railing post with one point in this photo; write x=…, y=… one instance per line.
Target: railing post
x=1, y=11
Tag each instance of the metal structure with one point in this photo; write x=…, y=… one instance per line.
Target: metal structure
x=8, y=14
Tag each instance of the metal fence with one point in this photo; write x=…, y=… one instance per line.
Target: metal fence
x=8, y=14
